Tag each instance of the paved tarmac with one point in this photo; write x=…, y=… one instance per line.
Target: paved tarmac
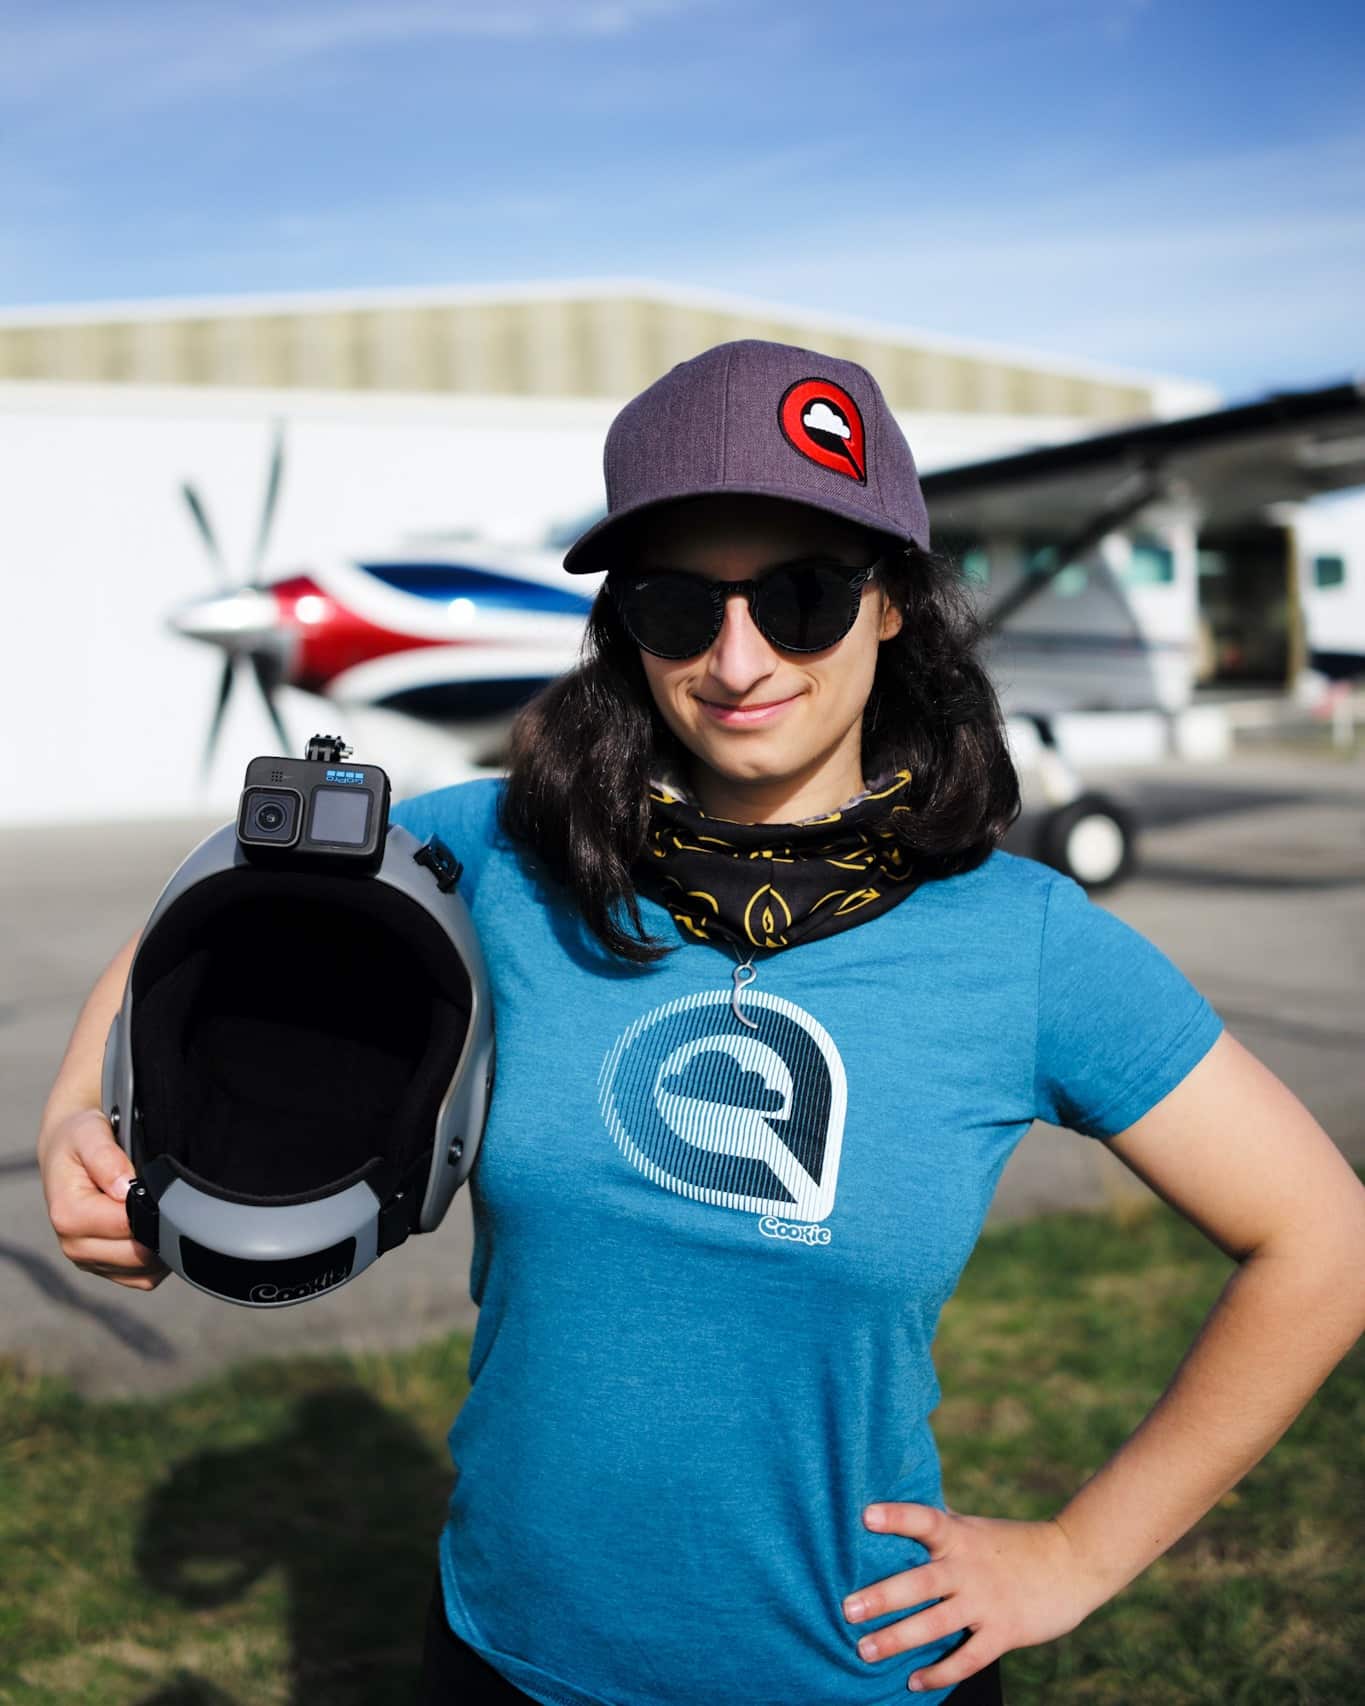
x=1252, y=879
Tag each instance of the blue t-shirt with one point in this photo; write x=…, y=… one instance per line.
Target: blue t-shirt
x=710, y=1259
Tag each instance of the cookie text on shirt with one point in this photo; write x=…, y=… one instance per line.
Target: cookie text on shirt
x=771, y=1227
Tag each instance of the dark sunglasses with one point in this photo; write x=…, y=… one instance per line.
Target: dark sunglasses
x=800, y=607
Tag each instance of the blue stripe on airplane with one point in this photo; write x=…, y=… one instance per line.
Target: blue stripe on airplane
x=442, y=582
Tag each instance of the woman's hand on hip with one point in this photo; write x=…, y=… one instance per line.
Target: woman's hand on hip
x=1011, y=1584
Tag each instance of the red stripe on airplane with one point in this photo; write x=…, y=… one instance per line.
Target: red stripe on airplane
x=330, y=639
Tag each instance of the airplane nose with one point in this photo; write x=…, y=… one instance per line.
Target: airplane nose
x=247, y=620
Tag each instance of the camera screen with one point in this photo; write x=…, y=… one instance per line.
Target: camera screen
x=340, y=815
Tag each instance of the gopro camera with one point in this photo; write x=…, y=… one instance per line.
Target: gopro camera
x=316, y=812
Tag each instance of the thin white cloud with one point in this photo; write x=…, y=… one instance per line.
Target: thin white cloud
x=146, y=55
x=1112, y=19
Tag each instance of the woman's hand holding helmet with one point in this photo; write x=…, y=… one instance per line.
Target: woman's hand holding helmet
x=85, y=1173
x=85, y=1180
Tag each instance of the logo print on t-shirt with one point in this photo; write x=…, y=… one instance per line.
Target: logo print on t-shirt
x=747, y=1119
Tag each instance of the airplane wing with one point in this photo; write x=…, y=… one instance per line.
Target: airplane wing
x=1230, y=462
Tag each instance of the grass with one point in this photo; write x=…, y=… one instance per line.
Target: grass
x=274, y=1530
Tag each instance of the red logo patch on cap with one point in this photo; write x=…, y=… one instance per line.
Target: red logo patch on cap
x=821, y=420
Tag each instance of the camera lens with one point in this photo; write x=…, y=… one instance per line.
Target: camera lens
x=269, y=818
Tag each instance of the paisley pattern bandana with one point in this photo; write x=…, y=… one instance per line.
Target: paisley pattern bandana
x=772, y=885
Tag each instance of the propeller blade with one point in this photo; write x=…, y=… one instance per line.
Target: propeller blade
x=216, y=722
x=272, y=492
x=265, y=680
x=201, y=521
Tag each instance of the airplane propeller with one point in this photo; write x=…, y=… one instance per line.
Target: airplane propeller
x=241, y=618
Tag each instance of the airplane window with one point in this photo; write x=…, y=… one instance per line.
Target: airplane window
x=1036, y=556
x=1151, y=564
x=1071, y=580
x=1329, y=571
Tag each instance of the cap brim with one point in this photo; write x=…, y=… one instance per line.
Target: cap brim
x=584, y=555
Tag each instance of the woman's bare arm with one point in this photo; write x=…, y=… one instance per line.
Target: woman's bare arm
x=1235, y=1151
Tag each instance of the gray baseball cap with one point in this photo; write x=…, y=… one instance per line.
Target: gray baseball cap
x=773, y=419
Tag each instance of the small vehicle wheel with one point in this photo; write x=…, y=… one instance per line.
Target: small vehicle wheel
x=1093, y=840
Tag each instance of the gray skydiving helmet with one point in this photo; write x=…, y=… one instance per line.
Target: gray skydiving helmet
x=301, y=1067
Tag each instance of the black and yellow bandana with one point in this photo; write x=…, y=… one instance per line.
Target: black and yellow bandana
x=772, y=885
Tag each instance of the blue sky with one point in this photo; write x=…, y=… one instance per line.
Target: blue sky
x=1168, y=184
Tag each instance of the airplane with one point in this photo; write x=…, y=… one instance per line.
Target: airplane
x=1080, y=609
x=458, y=639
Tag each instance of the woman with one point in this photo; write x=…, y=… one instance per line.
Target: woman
x=773, y=1010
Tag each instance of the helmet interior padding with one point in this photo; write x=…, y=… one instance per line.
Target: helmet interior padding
x=292, y=1032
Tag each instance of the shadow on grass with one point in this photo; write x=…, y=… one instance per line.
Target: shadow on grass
x=345, y=1502
x=188, y=1691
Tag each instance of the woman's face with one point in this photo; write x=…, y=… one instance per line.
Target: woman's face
x=752, y=715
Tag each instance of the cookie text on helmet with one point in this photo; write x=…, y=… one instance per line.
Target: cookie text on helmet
x=265, y=1292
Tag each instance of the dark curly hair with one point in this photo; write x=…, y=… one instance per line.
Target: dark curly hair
x=582, y=751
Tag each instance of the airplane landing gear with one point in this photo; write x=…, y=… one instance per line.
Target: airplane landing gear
x=1085, y=834
x=1093, y=840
